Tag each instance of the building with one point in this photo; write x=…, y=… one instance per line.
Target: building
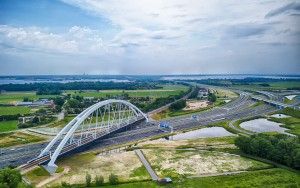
x=40, y=102
x=202, y=93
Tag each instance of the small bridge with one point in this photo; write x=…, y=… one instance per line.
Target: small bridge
x=274, y=103
x=93, y=123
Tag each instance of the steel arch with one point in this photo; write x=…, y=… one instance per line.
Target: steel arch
x=71, y=127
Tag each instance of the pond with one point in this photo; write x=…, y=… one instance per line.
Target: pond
x=203, y=133
x=263, y=125
x=280, y=116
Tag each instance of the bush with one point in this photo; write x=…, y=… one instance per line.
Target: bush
x=10, y=178
x=212, y=97
x=113, y=179
x=65, y=185
x=88, y=180
x=178, y=105
x=99, y=180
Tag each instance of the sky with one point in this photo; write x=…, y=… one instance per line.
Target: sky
x=149, y=37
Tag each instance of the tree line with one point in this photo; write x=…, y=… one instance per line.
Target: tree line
x=280, y=148
x=55, y=88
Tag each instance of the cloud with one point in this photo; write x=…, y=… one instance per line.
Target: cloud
x=169, y=36
x=75, y=41
x=246, y=30
x=294, y=6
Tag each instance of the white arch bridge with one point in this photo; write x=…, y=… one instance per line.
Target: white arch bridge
x=93, y=123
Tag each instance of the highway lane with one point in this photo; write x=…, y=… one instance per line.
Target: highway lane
x=236, y=109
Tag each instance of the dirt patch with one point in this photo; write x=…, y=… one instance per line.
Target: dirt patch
x=195, y=104
x=122, y=164
x=199, y=162
x=200, y=142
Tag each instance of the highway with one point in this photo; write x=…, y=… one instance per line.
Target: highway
x=239, y=108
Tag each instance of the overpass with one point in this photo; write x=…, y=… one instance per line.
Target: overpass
x=107, y=117
x=272, y=102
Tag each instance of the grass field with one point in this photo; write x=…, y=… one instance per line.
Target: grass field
x=17, y=138
x=10, y=110
x=268, y=178
x=166, y=91
x=37, y=174
x=11, y=97
x=63, y=122
x=8, y=125
x=273, y=85
x=222, y=93
x=168, y=113
x=292, y=123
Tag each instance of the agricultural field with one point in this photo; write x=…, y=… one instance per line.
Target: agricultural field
x=166, y=91
x=18, y=138
x=8, y=125
x=279, y=85
x=11, y=110
x=12, y=97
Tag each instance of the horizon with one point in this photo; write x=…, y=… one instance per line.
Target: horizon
x=207, y=74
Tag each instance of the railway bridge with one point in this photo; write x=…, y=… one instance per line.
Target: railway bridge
x=93, y=123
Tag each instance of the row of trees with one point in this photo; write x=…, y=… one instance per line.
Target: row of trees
x=99, y=180
x=55, y=88
x=194, y=93
x=280, y=148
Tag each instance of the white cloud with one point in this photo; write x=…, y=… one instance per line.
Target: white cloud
x=145, y=22
x=78, y=40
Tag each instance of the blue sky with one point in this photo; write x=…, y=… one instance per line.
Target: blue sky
x=149, y=37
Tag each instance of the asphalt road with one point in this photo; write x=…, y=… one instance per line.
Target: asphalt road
x=239, y=108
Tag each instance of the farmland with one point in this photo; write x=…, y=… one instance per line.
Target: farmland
x=11, y=110
x=8, y=125
x=166, y=91
x=12, y=97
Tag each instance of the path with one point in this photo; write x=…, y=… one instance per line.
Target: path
x=231, y=125
x=146, y=164
x=53, y=177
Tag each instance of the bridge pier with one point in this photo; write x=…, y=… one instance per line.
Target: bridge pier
x=51, y=168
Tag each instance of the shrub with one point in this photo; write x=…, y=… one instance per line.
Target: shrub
x=10, y=178
x=178, y=105
x=88, y=180
x=113, y=179
x=99, y=180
